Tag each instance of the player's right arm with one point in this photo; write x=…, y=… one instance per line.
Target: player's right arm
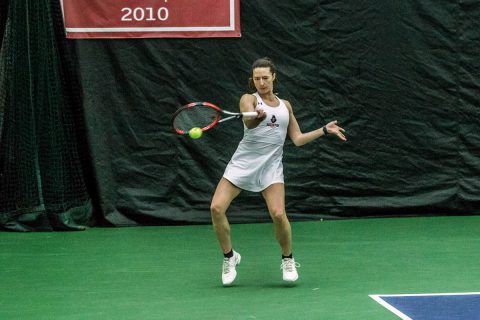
x=247, y=104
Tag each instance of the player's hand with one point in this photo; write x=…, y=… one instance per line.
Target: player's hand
x=332, y=128
x=261, y=114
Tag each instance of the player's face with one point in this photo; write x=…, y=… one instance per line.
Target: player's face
x=263, y=80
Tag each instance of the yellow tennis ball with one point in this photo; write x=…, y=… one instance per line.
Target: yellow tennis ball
x=195, y=133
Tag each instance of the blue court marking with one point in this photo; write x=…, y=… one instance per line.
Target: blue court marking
x=435, y=306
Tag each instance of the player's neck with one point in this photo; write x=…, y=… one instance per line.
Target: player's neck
x=268, y=97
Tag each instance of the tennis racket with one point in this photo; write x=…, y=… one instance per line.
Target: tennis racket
x=203, y=115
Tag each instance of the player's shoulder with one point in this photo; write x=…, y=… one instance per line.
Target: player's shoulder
x=288, y=105
x=248, y=98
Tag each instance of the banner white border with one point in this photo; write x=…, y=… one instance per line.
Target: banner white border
x=231, y=27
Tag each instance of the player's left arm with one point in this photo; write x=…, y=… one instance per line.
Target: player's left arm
x=299, y=138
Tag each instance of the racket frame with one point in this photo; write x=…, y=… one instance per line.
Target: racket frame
x=218, y=119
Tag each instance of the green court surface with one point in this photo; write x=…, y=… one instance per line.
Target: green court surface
x=174, y=272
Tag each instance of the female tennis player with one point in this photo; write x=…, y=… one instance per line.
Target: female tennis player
x=257, y=166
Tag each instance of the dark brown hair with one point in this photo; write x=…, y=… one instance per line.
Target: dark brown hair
x=264, y=63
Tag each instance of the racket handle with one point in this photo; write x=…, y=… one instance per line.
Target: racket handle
x=252, y=114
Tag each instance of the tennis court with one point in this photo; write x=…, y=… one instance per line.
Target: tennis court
x=174, y=272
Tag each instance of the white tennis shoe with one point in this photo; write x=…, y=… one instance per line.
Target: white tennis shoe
x=289, y=268
x=229, y=273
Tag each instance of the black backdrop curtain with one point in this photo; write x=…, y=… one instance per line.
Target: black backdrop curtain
x=3, y=18
x=401, y=76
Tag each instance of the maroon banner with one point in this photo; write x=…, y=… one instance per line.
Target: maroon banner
x=151, y=18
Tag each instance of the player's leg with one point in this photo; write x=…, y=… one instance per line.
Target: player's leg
x=274, y=196
x=223, y=196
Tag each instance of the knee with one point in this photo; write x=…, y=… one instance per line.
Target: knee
x=217, y=210
x=278, y=215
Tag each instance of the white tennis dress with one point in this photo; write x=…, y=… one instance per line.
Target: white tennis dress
x=257, y=162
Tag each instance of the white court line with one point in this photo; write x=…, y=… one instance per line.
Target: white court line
x=389, y=306
x=377, y=297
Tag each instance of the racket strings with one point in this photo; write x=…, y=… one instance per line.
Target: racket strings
x=197, y=116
